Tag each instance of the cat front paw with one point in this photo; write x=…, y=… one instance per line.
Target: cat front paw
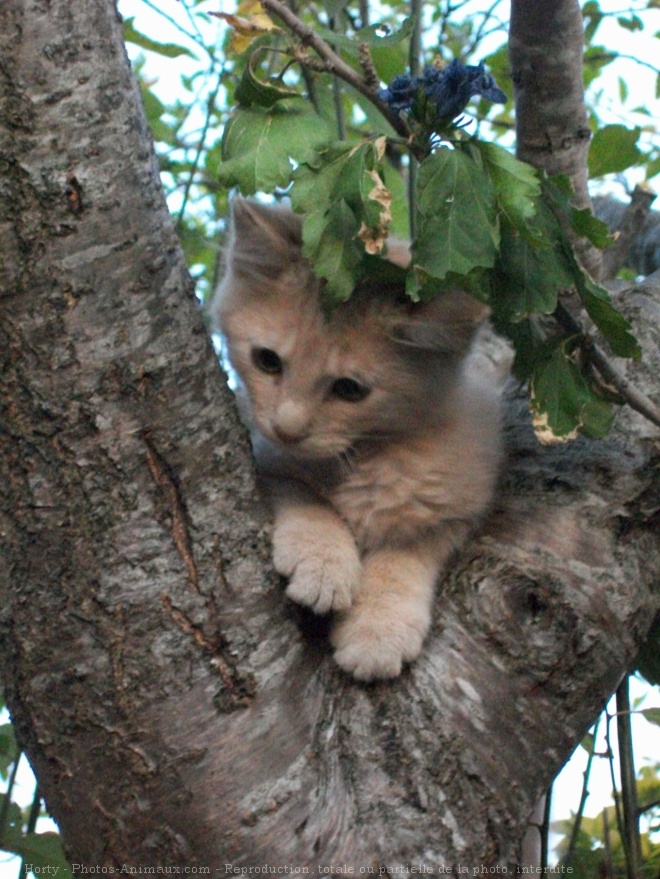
x=373, y=642
x=324, y=573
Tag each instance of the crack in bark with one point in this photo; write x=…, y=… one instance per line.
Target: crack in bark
x=240, y=691
x=179, y=528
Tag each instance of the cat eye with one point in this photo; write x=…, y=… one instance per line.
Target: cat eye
x=349, y=390
x=267, y=360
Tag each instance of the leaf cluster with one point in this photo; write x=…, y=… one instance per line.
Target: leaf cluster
x=481, y=220
x=484, y=221
x=598, y=848
x=17, y=826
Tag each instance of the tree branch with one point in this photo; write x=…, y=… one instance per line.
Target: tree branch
x=148, y=759
x=629, y=227
x=332, y=62
x=546, y=48
x=612, y=378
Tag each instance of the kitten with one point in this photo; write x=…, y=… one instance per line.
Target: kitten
x=378, y=448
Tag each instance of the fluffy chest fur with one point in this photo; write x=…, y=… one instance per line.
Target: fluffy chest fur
x=447, y=475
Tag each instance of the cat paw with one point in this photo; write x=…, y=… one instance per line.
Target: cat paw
x=373, y=642
x=324, y=573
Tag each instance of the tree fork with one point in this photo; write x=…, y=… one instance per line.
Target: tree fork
x=141, y=752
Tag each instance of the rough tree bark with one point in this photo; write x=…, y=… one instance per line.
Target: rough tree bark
x=546, y=46
x=176, y=710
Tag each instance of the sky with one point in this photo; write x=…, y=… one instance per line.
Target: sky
x=630, y=74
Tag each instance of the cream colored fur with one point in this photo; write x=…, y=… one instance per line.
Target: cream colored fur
x=371, y=496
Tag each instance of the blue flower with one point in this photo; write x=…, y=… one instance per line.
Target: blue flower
x=450, y=89
x=400, y=92
x=457, y=83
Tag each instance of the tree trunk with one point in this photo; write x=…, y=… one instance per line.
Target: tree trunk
x=176, y=710
x=546, y=47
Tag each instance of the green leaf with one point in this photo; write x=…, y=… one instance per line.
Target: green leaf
x=155, y=110
x=586, y=225
x=653, y=167
x=456, y=218
x=529, y=339
x=613, y=149
x=329, y=244
x=559, y=394
x=335, y=7
x=612, y=324
x=342, y=171
x=652, y=715
x=375, y=120
x=42, y=850
x=516, y=184
x=597, y=416
x=259, y=145
x=648, y=659
x=251, y=90
x=593, y=17
x=394, y=181
x=169, y=50
x=597, y=301
x=532, y=270
x=13, y=825
x=373, y=36
x=595, y=59
x=8, y=748
x=588, y=743
x=347, y=212
x=389, y=61
x=634, y=23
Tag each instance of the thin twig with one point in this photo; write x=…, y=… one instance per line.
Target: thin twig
x=332, y=62
x=210, y=104
x=610, y=375
x=33, y=817
x=575, y=832
x=607, y=847
x=649, y=806
x=481, y=33
x=4, y=812
x=545, y=830
x=630, y=829
x=338, y=93
x=415, y=62
x=610, y=760
x=195, y=38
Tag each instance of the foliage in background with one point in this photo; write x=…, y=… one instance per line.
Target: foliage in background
x=18, y=835
x=499, y=224
x=600, y=847
x=482, y=220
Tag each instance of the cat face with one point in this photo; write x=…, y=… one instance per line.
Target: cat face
x=317, y=384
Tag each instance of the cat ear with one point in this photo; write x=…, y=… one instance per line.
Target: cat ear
x=263, y=239
x=447, y=324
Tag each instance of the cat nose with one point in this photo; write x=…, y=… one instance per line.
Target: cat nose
x=287, y=437
x=291, y=423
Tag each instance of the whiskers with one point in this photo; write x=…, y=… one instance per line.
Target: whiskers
x=346, y=461
x=376, y=436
